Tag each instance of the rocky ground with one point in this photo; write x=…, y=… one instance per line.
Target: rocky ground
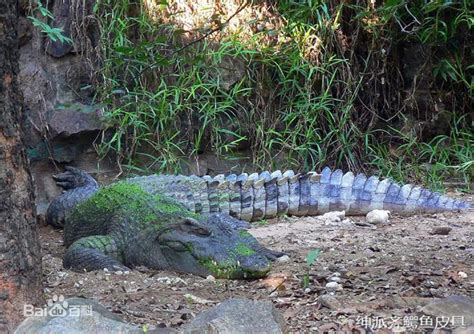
x=340, y=275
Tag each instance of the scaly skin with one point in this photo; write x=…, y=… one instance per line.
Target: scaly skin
x=266, y=195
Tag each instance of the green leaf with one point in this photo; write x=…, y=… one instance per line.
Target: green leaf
x=126, y=50
x=312, y=256
x=391, y=3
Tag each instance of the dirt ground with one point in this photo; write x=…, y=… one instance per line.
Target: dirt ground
x=378, y=272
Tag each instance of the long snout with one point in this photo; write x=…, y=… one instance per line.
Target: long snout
x=254, y=266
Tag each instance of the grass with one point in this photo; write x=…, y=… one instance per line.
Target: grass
x=445, y=157
x=327, y=91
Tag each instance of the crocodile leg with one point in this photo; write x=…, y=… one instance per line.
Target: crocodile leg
x=94, y=253
x=79, y=185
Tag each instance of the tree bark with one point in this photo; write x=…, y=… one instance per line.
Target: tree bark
x=20, y=260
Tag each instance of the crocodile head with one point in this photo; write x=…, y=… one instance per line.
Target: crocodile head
x=214, y=245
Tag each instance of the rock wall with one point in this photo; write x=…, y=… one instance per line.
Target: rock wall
x=62, y=121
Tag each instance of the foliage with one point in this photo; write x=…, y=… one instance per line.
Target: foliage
x=54, y=34
x=312, y=256
x=310, y=260
x=330, y=92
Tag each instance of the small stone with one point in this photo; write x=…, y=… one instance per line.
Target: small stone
x=333, y=286
x=378, y=217
x=330, y=302
x=462, y=274
x=283, y=259
x=106, y=270
x=307, y=290
x=440, y=230
x=81, y=282
x=430, y=284
x=334, y=216
x=210, y=278
x=119, y=272
x=335, y=279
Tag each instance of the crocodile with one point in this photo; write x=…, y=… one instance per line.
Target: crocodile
x=122, y=226
x=198, y=224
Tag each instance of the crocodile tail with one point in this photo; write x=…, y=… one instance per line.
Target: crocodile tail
x=359, y=194
x=267, y=195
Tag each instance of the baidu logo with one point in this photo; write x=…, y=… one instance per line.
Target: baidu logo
x=57, y=307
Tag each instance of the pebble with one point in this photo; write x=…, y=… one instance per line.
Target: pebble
x=307, y=290
x=334, y=216
x=330, y=302
x=334, y=286
x=440, y=230
x=283, y=259
x=462, y=274
x=378, y=217
x=210, y=278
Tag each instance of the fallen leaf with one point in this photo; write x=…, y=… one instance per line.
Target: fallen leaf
x=275, y=282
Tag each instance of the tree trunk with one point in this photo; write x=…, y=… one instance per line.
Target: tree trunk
x=20, y=260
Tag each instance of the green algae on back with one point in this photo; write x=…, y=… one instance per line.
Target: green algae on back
x=131, y=198
x=123, y=200
x=243, y=249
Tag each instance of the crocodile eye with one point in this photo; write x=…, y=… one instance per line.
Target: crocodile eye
x=177, y=246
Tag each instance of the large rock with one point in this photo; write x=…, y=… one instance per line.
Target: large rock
x=75, y=118
x=75, y=316
x=238, y=316
x=452, y=306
